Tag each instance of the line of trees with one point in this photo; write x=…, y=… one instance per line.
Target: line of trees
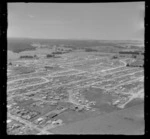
x=26, y=56
x=90, y=50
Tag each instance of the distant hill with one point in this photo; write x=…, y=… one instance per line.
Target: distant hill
x=19, y=45
x=24, y=44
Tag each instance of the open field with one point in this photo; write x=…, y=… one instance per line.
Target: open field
x=128, y=121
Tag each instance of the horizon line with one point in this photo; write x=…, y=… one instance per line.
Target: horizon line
x=76, y=39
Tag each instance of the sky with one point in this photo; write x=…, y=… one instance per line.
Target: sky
x=100, y=21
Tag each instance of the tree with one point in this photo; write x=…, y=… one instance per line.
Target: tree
x=49, y=55
x=10, y=63
x=128, y=65
x=35, y=56
x=114, y=57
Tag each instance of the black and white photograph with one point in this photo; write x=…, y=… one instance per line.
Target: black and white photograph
x=75, y=68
